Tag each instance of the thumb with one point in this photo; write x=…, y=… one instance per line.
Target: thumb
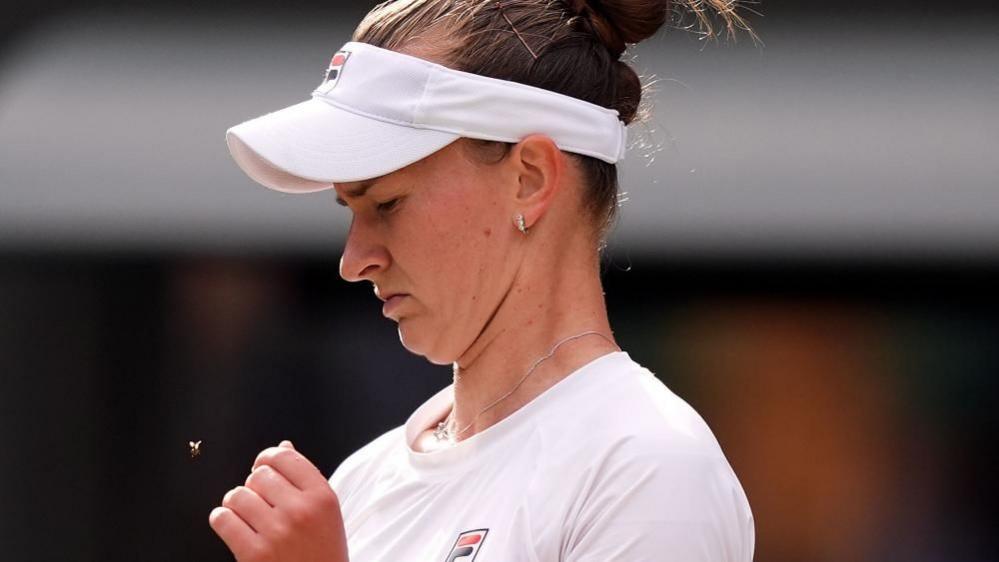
x=287, y=444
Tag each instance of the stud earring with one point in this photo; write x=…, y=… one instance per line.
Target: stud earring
x=519, y=219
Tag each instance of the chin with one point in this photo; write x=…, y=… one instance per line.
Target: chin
x=416, y=342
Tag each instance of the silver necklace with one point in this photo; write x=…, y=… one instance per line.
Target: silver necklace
x=444, y=432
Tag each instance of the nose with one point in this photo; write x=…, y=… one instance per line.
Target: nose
x=364, y=255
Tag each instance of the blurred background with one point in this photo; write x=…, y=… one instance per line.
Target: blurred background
x=807, y=253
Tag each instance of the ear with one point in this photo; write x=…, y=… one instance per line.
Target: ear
x=539, y=165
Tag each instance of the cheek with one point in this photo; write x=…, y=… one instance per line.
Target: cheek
x=451, y=254
x=451, y=232
x=453, y=243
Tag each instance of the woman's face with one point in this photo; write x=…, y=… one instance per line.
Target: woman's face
x=441, y=232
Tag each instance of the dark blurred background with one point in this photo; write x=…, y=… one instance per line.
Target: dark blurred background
x=807, y=254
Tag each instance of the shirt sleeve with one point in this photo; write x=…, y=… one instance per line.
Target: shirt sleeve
x=653, y=506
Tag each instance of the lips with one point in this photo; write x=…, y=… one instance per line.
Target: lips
x=393, y=302
x=385, y=297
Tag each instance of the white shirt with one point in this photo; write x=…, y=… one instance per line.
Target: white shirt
x=608, y=464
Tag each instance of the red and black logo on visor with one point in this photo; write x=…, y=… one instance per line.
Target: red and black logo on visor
x=334, y=71
x=467, y=546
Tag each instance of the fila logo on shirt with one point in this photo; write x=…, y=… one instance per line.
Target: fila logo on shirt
x=335, y=70
x=467, y=546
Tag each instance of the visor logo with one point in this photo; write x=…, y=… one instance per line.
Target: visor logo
x=467, y=546
x=334, y=71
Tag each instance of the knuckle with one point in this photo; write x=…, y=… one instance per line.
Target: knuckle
x=232, y=496
x=262, y=456
x=217, y=517
x=280, y=530
x=258, y=475
x=299, y=514
x=271, y=454
x=260, y=551
x=326, y=499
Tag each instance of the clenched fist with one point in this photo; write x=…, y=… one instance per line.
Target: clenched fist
x=286, y=512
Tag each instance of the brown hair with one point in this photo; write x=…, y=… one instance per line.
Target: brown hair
x=572, y=47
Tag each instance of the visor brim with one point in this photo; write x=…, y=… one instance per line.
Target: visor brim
x=311, y=145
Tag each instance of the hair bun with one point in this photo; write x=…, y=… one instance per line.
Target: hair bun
x=619, y=22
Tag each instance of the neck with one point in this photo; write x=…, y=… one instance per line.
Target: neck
x=559, y=301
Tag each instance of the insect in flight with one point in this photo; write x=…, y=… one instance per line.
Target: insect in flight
x=195, y=448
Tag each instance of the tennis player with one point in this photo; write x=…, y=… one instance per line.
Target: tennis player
x=474, y=144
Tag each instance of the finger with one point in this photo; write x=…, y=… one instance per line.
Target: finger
x=287, y=444
x=271, y=485
x=293, y=466
x=234, y=532
x=249, y=506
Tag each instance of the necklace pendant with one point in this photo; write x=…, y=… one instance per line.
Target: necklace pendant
x=441, y=433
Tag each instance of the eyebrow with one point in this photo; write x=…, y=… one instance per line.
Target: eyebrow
x=358, y=191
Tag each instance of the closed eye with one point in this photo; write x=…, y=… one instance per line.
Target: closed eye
x=387, y=206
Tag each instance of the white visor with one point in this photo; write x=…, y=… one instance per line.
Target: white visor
x=377, y=111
